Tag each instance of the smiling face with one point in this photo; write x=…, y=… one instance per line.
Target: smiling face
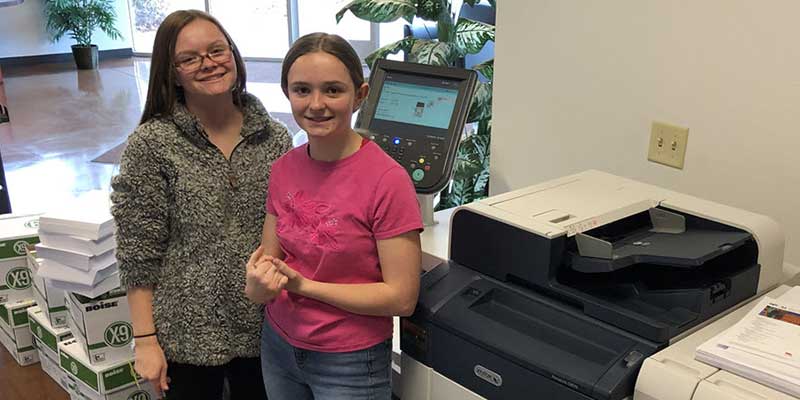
x=212, y=78
x=322, y=95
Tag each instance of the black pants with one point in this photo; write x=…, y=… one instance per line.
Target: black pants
x=193, y=382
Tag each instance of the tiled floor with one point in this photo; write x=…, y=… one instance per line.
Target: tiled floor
x=62, y=119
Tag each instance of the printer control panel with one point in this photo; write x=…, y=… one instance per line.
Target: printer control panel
x=416, y=113
x=422, y=158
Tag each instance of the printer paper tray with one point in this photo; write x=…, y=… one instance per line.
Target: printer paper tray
x=695, y=247
x=545, y=336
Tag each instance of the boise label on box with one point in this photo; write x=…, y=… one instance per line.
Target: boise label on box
x=15, y=334
x=102, y=325
x=102, y=378
x=16, y=234
x=49, y=299
x=45, y=334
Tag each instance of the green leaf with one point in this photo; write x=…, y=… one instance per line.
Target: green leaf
x=472, y=35
x=80, y=18
x=431, y=10
x=483, y=138
x=481, y=108
x=481, y=187
x=392, y=48
x=460, y=193
x=432, y=52
x=380, y=10
x=486, y=68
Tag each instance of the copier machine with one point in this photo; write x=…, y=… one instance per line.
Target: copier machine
x=562, y=290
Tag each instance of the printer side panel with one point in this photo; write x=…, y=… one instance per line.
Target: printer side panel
x=502, y=251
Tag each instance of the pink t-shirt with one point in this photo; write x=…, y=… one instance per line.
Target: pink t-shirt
x=329, y=216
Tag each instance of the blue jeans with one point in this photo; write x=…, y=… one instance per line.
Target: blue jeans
x=291, y=373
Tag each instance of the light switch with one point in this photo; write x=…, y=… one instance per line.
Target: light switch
x=668, y=144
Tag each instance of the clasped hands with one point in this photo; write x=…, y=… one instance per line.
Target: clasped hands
x=267, y=276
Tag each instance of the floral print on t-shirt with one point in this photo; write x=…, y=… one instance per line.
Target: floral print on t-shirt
x=309, y=218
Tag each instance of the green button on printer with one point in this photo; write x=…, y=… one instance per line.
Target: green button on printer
x=418, y=174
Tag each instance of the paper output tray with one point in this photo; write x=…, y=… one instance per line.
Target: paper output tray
x=669, y=239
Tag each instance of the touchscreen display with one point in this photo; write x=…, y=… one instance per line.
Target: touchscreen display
x=416, y=104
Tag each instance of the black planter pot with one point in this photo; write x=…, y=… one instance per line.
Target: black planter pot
x=85, y=56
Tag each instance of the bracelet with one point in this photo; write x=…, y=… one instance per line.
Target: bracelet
x=144, y=336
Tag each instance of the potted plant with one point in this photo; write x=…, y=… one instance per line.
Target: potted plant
x=79, y=19
x=455, y=40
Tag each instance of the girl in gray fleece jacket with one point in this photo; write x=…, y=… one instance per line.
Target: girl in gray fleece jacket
x=189, y=205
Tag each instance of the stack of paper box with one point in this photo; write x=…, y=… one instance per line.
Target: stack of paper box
x=77, y=249
x=113, y=380
x=46, y=338
x=14, y=332
x=16, y=234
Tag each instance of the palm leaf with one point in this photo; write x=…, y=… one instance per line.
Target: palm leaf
x=432, y=52
x=380, y=10
x=481, y=108
x=486, y=68
x=472, y=35
x=392, y=48
x=79, y=18
x=459, y=193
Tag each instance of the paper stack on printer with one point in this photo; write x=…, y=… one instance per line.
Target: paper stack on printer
x=764, y=346
x=77, y=249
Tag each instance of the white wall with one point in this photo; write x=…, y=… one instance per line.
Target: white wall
x=22, y=31
x=578, y=83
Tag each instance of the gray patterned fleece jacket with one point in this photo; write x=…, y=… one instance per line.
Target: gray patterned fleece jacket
x=188, y=219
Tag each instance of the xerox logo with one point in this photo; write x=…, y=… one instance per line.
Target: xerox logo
x=139, y=395
x=488, y=375
x=118, y=334
x=18, y=278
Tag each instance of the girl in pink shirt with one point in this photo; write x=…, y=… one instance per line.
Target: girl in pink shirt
x=340, y=252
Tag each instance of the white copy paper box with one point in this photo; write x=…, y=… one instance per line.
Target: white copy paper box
x=102, y=325
x=51, y=368
x=102, y=378
x=16, y=234
x=46, y=334
x=144, y=391
x=15, y=334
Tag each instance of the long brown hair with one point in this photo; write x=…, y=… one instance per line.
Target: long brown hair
x=332, y=44
x=163, y=91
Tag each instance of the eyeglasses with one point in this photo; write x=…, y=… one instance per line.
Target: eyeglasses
x=189, y=63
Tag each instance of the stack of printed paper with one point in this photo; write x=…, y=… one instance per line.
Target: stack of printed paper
x=764, y=346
